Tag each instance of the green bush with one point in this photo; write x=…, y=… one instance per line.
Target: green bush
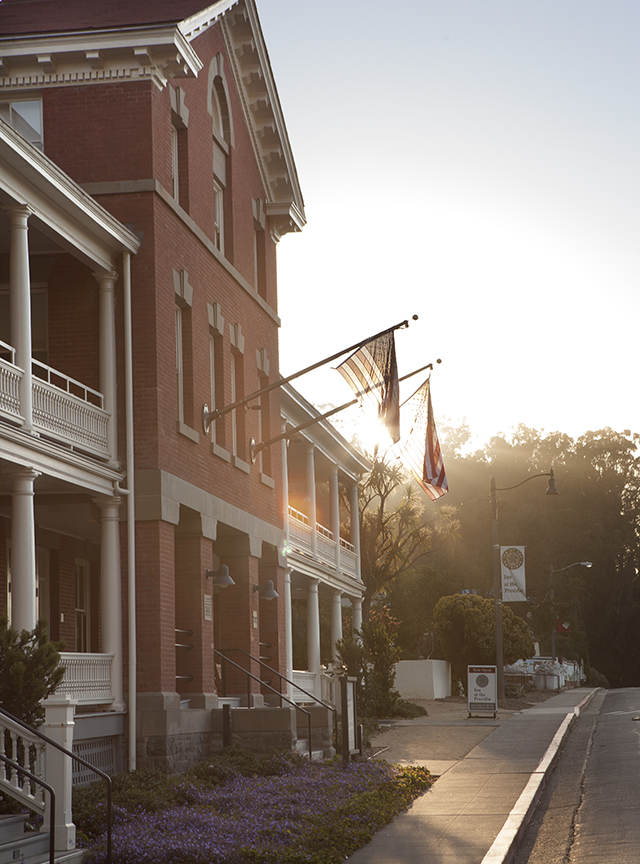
x=31, y=670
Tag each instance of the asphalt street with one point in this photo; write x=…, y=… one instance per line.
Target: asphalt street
x=607, y=825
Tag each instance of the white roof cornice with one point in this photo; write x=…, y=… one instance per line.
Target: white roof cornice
x=52, y=60
x=264, y=117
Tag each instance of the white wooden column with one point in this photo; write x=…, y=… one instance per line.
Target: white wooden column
x=20, y=303
x=107, y=353
x=111, y=593
x=285, y=488
x=311, y=498
x=335, y=510
x=288, y=631
x=336, y=621
x=356, y=608
x=313, y=629
x=355, y=525
x=23, y=551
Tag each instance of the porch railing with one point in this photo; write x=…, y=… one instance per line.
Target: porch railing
x=87, y=678
x=68, y=410
x=300, y=533
x=63, y=408
x=10, y=376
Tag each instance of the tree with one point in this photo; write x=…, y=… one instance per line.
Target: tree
x=371, y=657
x=465, y=627
x=395, y=535
x=31, y=670
x=594, y=518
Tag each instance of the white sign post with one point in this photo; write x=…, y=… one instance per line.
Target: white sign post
x=482, y=690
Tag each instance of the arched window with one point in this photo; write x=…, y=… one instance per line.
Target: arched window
x=222, y=134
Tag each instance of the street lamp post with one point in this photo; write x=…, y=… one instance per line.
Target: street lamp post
x=552, y=573
x=497, y=576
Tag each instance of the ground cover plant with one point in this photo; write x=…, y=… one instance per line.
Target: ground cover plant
x=239, y=808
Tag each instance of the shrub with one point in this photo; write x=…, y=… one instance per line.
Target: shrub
x=31, y=670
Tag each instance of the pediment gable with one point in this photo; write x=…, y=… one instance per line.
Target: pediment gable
x=142, y=40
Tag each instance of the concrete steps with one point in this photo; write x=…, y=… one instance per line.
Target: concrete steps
x=28, y=847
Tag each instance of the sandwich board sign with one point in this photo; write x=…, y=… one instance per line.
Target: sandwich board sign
x=482, y=690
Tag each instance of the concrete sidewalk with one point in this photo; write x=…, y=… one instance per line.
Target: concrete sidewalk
x=491, y=774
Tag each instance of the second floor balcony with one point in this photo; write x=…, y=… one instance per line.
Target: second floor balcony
x=64, y=410
x=301, y=539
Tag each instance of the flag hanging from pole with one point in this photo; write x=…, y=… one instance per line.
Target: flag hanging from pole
x=372, y=373
x=420, y=450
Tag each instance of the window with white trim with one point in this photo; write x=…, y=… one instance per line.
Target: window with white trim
x=25, y=116
x=218, y=215
x=83, y=601
x=179, y=364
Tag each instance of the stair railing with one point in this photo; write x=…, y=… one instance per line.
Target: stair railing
x=21, y=773
x=251, y=676
x=32, y=733
x=287, y=681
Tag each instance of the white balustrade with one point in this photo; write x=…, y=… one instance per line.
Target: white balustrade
x=305, y=680
x=27, y=751
x=68, y=410
x=326, y=545
x=299, y=531
x=87, y=678
x=300, y=538
x=348, y=560
x=328, y=686
x=10, y=376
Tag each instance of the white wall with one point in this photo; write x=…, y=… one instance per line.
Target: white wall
x=423, y=679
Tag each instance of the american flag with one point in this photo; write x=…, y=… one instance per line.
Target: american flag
x=372, y=373
x=420, y=450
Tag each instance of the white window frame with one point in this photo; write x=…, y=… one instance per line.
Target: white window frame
x=17, y=121
x=179, y=364
x=175, y=170
x=218, y=215
x=82, y=612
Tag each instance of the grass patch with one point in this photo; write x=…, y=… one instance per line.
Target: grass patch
x=241, y=808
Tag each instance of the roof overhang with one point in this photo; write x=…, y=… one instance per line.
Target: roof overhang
x=61, y=209
x=96, y=56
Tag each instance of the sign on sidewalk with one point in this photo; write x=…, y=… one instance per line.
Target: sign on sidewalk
x=482, y=690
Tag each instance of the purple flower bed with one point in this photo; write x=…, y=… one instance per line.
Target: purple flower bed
x=309, y=812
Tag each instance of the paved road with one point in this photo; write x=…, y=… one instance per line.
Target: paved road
x=590, y=810
x=608, y=821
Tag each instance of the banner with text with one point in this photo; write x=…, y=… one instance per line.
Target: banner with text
x=513, y=582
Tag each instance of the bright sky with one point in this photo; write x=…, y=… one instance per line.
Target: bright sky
x=476, y=163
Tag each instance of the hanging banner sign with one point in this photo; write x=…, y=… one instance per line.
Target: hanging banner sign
x=512, y=567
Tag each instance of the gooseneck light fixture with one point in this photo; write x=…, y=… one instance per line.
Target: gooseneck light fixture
x=497, y=576
x=266, y=591
x=220, y=578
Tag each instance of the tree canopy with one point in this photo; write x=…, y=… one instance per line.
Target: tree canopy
x=594, y=518
x=465, y=628
x=396, y=532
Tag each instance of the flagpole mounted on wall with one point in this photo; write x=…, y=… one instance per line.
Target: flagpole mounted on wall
x=209, y=416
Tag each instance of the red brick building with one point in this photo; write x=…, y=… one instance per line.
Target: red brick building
x=146, y=177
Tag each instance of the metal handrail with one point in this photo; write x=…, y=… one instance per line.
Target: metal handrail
x=79, y=759
x=52, y=812
x=269, y=687
x=282, y=677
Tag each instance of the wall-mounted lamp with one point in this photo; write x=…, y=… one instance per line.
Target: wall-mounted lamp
x=266, y=591
x=221, y=578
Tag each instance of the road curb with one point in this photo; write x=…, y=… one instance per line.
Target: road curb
x=508, y=840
